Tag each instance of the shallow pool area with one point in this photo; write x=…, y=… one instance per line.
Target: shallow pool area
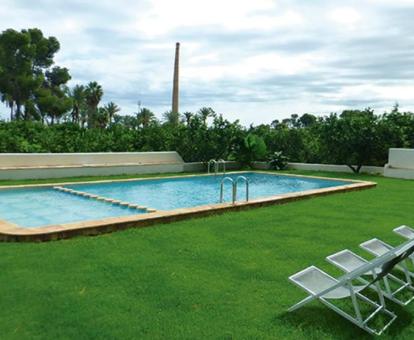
x=38, y=207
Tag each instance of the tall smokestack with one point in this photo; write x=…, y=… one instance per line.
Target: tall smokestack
x=175, y=95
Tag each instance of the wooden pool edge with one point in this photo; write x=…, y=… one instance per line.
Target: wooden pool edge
x=12, y=233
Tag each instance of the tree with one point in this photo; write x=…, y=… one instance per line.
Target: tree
x=145, y=117
x=105, y=115
x=206, y=112
x=8, y=100
x=111, y=109
x=52, y=98
x=32, y=111
x=307, y=120
x=395, y=130
x=93, y=95
x=78, y=96
x=171, y=118
x=127, y=121
x=187, y=117
x=351, y=138
x=101, y=119
x=24, y=56
x=292, y=122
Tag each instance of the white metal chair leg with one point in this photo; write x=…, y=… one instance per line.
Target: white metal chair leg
x=354, y=302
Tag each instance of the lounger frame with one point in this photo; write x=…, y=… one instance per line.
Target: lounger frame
x=388, y=292
x=354, y=294
x=346, y=281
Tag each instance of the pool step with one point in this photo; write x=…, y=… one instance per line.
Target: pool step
x=104, y=199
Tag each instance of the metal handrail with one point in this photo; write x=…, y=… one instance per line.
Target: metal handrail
x=215, y=166
x=233, y=184
x=247, y=187
x=222, y=161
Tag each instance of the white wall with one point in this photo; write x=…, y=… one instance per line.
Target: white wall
x=30, y=166
x=37, y=166
x=400, y=163
x=88, y=171
x=58, y=165
x=401, y=158
x=335, y=168
x=11, y=160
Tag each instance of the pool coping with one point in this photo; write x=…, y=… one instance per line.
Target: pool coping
x=13, y=232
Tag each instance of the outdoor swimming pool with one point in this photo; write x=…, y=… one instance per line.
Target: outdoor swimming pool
x=38, y=207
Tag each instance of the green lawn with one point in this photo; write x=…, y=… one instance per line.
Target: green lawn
x=219, y=277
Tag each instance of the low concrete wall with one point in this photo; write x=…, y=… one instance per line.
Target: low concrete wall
x=38, y=166
x=88, y=171
x=58, y=165
x=16, y=160
x=335, y=168
x=194, y=167
x=322, y=167
x=260, y=165
x=400, y=163
x=398, y=173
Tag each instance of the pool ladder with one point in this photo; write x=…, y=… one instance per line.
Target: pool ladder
x=234, y=184
x=216, y=165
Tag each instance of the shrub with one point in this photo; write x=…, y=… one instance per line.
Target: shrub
x=251, y=148
x=278, y=161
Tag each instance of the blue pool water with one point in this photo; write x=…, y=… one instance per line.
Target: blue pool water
x=40, y=207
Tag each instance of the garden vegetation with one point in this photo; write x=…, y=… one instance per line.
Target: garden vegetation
x=47, y=115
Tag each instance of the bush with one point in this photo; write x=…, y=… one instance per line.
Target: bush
x=278, y=161
x=251, y=148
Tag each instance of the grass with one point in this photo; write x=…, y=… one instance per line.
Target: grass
x=220, y=277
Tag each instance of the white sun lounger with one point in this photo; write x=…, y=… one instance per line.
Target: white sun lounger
x=349, y=261
x=405, y=231
x=315, y=281
x=321, y=286
x=377, y=247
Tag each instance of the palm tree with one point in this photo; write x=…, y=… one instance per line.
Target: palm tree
x=93, y=93
x=188, y=117
x=78, y=96
x=101, y=118
x=111, y=109
x=145, y=117
x=206, y=112
x=171, y=117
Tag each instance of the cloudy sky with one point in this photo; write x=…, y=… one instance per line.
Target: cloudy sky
x=250, y=60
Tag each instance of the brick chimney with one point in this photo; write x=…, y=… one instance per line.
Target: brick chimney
x=175, y=95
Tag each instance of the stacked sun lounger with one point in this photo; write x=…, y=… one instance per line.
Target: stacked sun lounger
x=389, y=269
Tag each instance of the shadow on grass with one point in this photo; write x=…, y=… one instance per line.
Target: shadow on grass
x=318, y=319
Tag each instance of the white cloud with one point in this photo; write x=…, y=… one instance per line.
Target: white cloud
x=254, y=60
x=164, y=16
x=345, y=16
